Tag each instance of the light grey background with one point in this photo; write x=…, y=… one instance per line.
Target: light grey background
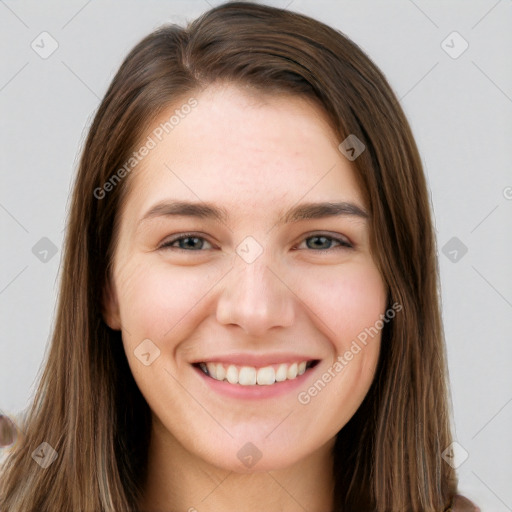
x=460, y=110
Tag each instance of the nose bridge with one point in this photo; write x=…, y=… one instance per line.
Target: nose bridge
x=254, y=297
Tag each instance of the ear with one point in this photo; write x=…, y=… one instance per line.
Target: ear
x=110, y=306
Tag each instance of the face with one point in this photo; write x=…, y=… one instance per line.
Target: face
x=240, y=309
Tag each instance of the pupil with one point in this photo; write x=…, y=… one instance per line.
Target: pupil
x=316, y=245
x=190, y=241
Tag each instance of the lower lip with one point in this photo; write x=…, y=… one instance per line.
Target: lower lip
x=255, y=392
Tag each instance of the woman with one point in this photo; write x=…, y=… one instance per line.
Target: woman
x=246, y=369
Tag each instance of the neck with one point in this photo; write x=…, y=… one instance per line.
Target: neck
x=178, y=480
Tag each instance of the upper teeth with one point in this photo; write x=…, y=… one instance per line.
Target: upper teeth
x=249, y=376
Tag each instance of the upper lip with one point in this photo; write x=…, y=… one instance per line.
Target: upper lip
x=256, y=360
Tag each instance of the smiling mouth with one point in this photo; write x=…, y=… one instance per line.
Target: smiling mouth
x=250, y=376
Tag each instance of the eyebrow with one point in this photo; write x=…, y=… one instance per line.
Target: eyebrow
x=304, y=211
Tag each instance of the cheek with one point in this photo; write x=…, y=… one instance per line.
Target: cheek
x=155, y=298
x=348, y=304
x=346, y=300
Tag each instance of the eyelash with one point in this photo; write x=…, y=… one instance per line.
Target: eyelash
x=344, y=244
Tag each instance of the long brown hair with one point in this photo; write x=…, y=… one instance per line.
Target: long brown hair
x=88, y=407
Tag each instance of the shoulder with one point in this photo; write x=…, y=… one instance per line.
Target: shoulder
x=462, y=504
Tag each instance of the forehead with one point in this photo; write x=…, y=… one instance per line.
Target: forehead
x=243, y=150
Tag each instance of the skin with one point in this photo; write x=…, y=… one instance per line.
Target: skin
x=208, y=301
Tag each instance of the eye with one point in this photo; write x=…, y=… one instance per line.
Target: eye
x=191, y=242
x=187, y=242
x=322, y=242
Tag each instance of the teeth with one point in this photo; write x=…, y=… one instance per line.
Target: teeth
x=212, y=369
x=292, y=371
x=281, y=373
x=221, y=372
x=249, y=376
x=266, y=376
x=232, y=375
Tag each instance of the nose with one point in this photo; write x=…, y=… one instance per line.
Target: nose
x=256, y=298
